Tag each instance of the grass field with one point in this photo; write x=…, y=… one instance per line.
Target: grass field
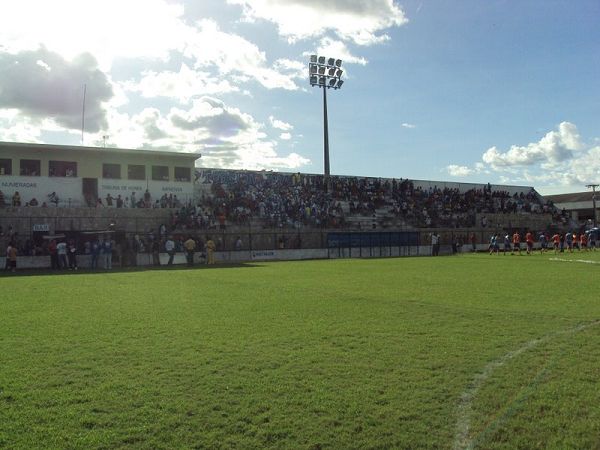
x=472, y=351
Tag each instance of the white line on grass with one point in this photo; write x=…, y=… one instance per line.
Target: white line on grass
x=462, y=440
x=585, y=261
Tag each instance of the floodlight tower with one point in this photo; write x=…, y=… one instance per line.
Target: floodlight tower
x=325, y=73
x=593, y=188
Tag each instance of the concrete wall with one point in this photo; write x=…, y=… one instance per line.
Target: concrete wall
x=145, y=259
x=89, y=165
x=131, y=220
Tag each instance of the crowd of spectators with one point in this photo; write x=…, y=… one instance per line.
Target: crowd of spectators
x=144, y=200
x=132, y=201
x=283, y=200
x=104, y=248
x=296, y=200
x=449, y=207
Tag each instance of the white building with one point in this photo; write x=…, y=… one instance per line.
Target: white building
x=579, y=204
x=78, y=175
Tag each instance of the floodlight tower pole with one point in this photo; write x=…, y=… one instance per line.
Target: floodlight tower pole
x=325, y=134
x=325, y=73
x=593, y=187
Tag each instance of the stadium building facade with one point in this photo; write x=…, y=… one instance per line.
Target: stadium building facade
x=78, y=176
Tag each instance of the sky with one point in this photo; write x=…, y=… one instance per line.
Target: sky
x=497, y=91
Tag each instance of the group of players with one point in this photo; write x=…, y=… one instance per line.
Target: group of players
x=569, y=241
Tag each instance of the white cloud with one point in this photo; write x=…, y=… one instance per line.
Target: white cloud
x=409, y=125
x=480, y=168
x=42, y=84
x=144, y=30
x=338, y=49
x=182, y=85
x=459, y=171
x=554, y=148
x=49, y=50
x=585, y=169
x=358, y=21
x=232, y=55
x=108, y=29
x=224, y=135
x=559, y=158
x=211, y=118
x=16, y=128
x=280, y=125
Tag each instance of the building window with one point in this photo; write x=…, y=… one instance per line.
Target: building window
x=160, y=173
x=5, y=166
x=30, y=167
x=111, y=171
x=136, y=172
x=183, y=174
x=62, y=169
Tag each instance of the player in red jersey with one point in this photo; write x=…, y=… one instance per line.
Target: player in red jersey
x=556, y=242
x=516, y=239
x=529, y=242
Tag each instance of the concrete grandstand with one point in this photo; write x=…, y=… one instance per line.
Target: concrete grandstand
x=254, y=214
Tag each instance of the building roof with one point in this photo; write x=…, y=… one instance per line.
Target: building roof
x=571, y=198
x=80, y=148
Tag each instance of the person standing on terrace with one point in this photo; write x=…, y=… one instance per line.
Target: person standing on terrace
x=210, y=251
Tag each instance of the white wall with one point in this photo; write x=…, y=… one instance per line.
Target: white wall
x=69, y=189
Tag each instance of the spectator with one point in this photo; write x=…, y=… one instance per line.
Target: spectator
x=190, y=247
x=210, y=251
x=96, y=249
x=16, y=199
x=170, y=249
x=11, y=253
x=53, y=198
x=72, y=254
x=61, y=251
x=7, y=264
x=107, y=251
x=52, y=249
x=155, y=246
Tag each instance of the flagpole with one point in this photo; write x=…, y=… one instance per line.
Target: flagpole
x=83, y=112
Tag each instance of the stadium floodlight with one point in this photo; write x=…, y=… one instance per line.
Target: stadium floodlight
x=325, y=73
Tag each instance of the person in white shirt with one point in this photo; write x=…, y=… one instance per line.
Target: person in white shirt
x=61, y=250
x=435, y=244
x=170, y=248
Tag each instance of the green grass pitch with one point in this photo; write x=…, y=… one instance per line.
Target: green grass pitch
x=472, y=351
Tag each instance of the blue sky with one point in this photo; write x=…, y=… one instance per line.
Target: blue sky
x=473, y=91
